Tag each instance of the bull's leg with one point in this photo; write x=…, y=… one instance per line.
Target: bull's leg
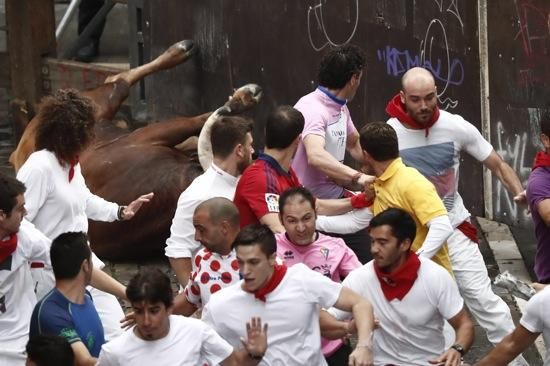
x=175, y=55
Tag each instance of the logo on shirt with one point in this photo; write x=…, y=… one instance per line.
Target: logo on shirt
x=288, y=254
x=324, y=252
x=324, y=269
x=272, y=201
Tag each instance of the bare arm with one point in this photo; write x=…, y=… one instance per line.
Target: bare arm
x=272, y=220
x=333, y=207
x=509, y=348
x=321, y=159
x=363, y=315
x=182, y=267
x=464, y=329
x=102, y=281
x=182, y=306
x=504, y=173
x=82, y=356
x=354, y=147
x=332, y=328
x=543, y=208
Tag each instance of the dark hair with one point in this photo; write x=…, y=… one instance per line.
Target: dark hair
x=50, y=350
x=257, y=234
x=545, y=123
x=66, y=124
x=296, y=191
x=380, y=141
x=401, y=223
x=227, y=132
x=10, y=188
x=219, y=209
x=67, y=253
x=339, y=64
x=150, y=285
x=282, y=127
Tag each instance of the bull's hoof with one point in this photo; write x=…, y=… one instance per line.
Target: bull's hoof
x=176, y=54
x=245, y=98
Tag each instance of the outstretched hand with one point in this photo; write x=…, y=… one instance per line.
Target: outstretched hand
x=128, y=321
x=130, y=211
x=450, y=358
x=521, y=198
x=256, y=337
x=361, y=356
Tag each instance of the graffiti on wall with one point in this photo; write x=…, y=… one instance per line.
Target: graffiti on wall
x=434, y=54
x=316, y=25
x=517, y=150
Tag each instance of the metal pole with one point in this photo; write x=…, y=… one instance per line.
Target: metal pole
x=66, y=18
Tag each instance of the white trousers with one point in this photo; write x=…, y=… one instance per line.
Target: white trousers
x=490, y=311
x=107, y=306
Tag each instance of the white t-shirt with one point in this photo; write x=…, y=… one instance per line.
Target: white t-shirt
x=437, y=156
x=291, y=311
x=537, y=318
x=411, y=329
x=212, y=183
x=187, y=342
x=17, y=298
x=55, y=205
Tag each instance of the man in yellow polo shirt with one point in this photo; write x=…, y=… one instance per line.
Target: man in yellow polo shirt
x=398, y=186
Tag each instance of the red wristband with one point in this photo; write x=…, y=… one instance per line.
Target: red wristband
x=360, y=201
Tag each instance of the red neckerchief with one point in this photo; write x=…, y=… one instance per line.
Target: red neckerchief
x=397, y=109
x=73, y=163
x=469, y=230
x=279, y=272
x=397, y=284
x=7, y=247
x=542, y=160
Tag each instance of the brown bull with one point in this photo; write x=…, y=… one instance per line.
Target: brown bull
x=121, y=165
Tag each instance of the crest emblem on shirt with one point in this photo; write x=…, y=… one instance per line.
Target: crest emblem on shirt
x=272, y=201
x=324, y=252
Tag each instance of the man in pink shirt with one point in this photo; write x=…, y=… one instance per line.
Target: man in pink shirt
x=325, y=254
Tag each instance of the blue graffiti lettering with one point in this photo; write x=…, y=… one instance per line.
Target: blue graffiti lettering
x=397, y=62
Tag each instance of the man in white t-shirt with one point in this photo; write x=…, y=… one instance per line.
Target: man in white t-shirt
x=232, y=149
x=412, y=297
x=431, y=140
x=535, y=321
x=160, y=338
x=289, y=300
x=20, y=243
x=215, y=266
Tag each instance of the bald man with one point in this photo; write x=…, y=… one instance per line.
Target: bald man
x=215, y=265
x=431, y=141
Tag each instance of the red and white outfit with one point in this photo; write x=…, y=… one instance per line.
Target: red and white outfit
x=57, y=205
x=211, y=272
x=327, y=255
x=435, y=152
x=291, y=309
x=188, y=341
x=17, y=297
x=214, y=182
x=411, y=328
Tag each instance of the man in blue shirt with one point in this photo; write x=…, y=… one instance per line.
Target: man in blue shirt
x=68, y=310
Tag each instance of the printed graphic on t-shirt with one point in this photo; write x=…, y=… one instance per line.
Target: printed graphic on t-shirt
x=336, y=136
x=435, y=162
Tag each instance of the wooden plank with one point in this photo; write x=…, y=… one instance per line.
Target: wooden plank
x=27, y=47
x=59, y=74
x=5, y=81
